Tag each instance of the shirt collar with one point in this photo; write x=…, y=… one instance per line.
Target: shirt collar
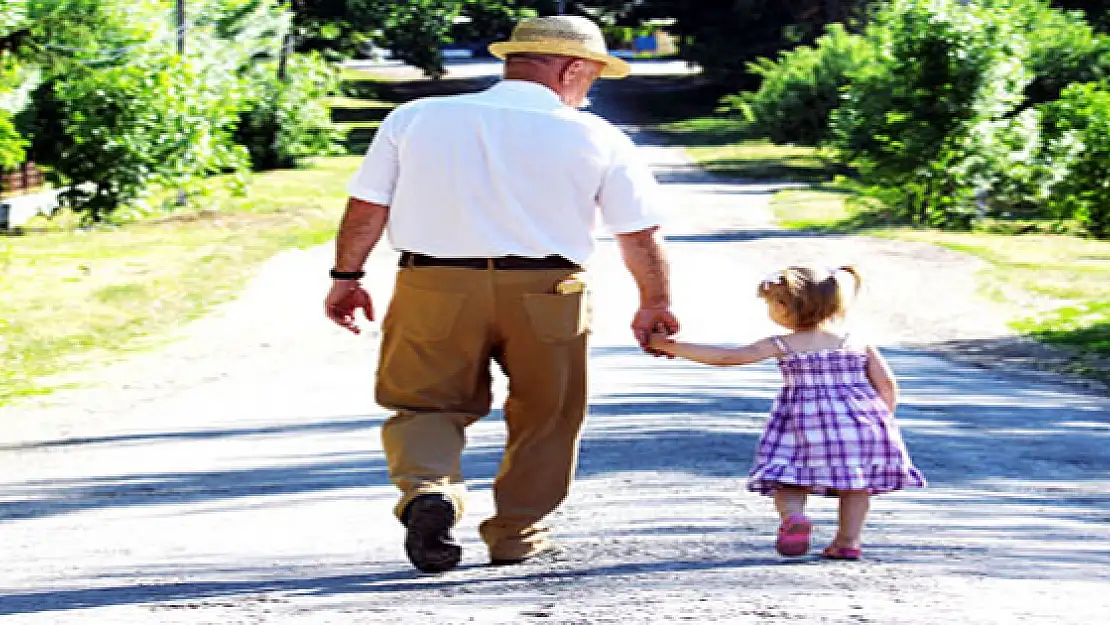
x=527, y=93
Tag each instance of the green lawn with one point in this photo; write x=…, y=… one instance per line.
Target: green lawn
x=70, y=299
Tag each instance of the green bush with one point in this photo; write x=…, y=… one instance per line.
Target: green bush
x=1058, y=49
x=1062, y=49
x=286, y=121
x=113, y=133
x=913, y=118
x=11, y=142
x=801, y=88
x=1081, y=121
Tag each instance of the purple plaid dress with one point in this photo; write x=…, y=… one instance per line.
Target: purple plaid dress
x=830, y=431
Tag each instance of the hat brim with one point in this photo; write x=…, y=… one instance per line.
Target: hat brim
x=614, y=67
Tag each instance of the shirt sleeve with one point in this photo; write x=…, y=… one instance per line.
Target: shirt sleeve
x=376, y=177
x=630, y=196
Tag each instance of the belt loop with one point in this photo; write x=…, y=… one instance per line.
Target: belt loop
x=491, y=263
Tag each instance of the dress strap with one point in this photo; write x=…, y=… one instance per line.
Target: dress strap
x=844, y=340
x=781, y=344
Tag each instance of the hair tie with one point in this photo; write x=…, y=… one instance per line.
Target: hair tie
x=771, y=279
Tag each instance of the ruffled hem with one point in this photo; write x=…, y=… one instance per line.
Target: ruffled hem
x=875, y=480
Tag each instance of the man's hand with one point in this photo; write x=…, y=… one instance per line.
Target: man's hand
x=344, y=298
x=653, y=320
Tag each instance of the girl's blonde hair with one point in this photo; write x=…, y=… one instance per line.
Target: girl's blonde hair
x=811, y=296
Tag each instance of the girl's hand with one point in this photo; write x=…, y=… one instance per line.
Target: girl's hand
x=660, y=341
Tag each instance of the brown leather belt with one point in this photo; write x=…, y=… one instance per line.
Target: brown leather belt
x=412, y=259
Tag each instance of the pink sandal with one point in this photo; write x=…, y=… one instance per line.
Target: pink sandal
x=832, y=552
x=793, y=539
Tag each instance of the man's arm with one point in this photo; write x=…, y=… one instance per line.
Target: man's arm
x=643, y=254
x=359, y=232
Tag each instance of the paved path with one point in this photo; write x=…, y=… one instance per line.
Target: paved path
x=237, y=476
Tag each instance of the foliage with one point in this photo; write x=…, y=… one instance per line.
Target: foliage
x=285, y=120
x=119, y=112
x=13, y=15
x=12, y=144
x=1097, y=12
x=112, y=133
x=723, y=36
x=1062, y=48
x=914, y=118
x=337, y=28
x=1081, y=118
x=415, y=30
x=801, y=88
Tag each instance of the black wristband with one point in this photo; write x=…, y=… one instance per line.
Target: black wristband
x=347, y=275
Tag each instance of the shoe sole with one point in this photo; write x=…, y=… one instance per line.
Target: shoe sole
x=544, y=556
x=429, y=524
x=794, y=539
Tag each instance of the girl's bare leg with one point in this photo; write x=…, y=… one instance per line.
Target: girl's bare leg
x=790, y=500
x=854, y=505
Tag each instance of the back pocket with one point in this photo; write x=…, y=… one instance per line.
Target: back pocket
x=558, y=317
x=423, y=315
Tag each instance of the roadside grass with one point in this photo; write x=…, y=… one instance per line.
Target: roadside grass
x=1057, y=286
x=72, y=299
x=761, y=160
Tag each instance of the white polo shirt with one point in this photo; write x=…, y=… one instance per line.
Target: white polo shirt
x=507, y=171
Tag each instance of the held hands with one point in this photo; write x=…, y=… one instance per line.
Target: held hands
x=649, y=321
x=659, y=341
x=344, y=298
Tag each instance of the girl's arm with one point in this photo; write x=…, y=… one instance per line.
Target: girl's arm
x=714, y=355
x=881, y=377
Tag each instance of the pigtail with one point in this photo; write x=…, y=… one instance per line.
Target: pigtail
x=857, y=281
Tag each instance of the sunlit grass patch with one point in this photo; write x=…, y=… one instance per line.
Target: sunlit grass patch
x=71, y=298
x=764, y=161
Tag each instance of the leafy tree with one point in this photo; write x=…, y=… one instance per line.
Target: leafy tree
x=914, y=117
x=415, y=31
x=801, y=88
x=12, y=21
x=119, y=111
x=1080, y=121
x=1097, y=12
x=337, y=28
x=112, y=133
x=284, y=119
x=723, y=36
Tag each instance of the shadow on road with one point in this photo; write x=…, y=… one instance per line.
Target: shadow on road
x=184, y=595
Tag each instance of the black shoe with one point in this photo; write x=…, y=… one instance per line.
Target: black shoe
x=428, y=542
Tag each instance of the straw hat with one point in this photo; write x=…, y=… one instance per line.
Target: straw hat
x=566, y=35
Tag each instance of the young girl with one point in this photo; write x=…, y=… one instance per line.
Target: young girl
x=832, y=429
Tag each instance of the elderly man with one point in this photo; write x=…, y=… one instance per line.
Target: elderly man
x=492, y=198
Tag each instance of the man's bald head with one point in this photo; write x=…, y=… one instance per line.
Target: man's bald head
x=568, y=76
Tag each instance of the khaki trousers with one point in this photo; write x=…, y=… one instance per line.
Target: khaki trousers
x=443, y=328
